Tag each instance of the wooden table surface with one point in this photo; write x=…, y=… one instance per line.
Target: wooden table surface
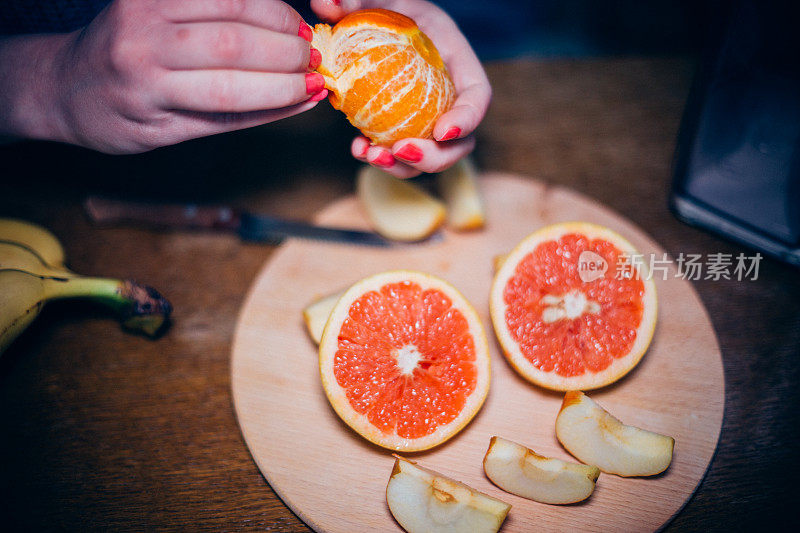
x=105, y=430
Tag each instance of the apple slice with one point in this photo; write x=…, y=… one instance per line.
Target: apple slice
x=422, y=500
x=521, y=471
x=316, y=314
x=593, y=436
x=458, y=185
x=398, y=209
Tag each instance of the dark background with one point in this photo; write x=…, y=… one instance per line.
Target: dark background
x=496, y=29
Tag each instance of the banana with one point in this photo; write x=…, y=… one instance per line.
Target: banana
x=21, y=257
x=32, y=273
x=34, y=237
x=23, y=294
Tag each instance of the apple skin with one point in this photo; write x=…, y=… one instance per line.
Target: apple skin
x=424, y=501
x=592, y=435
x=521, y=471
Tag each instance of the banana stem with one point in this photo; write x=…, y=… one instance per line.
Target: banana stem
x=140, y=307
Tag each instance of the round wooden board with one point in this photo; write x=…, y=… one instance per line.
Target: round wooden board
x=335, y=481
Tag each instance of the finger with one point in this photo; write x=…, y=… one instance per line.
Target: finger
x=430, y=156
x=236, y=91
x=382, y=158
x=268, y=14
x=465, y=115
x=231, y=45
x=359, y=148
x=193, y=124
x=473, y=91
x=334, y=10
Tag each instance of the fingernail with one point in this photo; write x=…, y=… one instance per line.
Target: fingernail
x=410, y=153
x=384, y=160
x=336, y=2
x=452, y=133
x=315, y=59
x=319, y=96
x=305, y=31
x=314, y=83
x=364, y=150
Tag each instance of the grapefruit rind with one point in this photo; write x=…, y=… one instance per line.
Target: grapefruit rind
x=550, y=380
x=337, y=395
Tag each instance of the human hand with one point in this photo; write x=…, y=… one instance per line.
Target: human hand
x=148, y=73
x=454, y=130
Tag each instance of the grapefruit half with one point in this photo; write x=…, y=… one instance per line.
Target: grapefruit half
x=570, y=308
x=404, y=360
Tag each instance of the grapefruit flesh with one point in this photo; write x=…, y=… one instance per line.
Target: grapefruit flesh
x=404, y=360
x=571, y=321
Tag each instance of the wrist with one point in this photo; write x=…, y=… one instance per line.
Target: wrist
x=31, y=68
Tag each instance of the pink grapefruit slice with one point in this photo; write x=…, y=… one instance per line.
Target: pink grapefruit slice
x=404, y=360
x=571, y=307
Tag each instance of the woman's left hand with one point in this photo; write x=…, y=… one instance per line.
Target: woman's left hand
x=453, y=132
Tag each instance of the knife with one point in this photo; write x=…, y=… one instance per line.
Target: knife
x=250, y=227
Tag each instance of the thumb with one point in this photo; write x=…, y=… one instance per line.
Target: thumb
x=334, y=10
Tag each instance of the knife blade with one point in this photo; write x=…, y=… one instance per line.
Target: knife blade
x=249, y=226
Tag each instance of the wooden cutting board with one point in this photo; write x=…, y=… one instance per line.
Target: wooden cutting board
x=335, y=481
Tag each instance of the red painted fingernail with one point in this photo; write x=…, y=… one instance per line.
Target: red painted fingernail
x=336, y=2
x=452, y=133
x=314, y=83
x=319, y=96
x=384, y=160
x=410, y=153
x=364, y=150
x=305, y=31
x=315, y=59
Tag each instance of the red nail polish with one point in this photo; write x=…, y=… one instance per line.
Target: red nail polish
x=364, y=150
x=410, y=153
x=384, y=160
x=314, y=59
x=305, y=31
x=336, y=2
x=314, y=83
x=452, y=133
x=319, y=96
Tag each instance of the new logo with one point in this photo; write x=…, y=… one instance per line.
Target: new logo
x=591, y=266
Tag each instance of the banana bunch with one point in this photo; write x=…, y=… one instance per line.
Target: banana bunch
x=32, y=272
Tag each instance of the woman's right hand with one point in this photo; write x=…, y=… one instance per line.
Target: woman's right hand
x=149, y=73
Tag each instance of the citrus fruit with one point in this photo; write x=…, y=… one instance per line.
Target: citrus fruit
x=571, y=307
x=384, y=74
x=404, y=360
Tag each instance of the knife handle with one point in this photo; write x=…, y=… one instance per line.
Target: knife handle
x=105, y=211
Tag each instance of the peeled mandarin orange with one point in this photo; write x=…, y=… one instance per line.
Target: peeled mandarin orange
x=384, y=74
x=565, y=313
x=404, y=360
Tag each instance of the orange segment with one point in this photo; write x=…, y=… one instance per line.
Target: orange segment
x=384, y=74
x=404, y=360
x=562, y=329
